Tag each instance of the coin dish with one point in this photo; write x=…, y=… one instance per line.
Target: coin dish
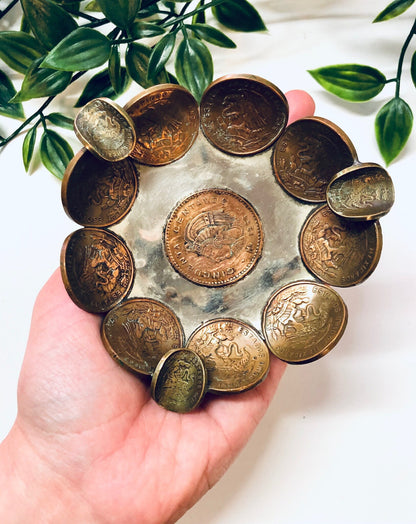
x=229, y=235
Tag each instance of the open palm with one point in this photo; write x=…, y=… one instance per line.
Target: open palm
x=90, y=432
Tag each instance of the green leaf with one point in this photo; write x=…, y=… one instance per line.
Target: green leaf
x=49, y=22
x=7, y=91
x=114, y=70
x=193, y=66
x=83, y=49
x=212, y=35
x=199, y=17
x=161, y=54
x=413, y=68
x=40, y=82
x=120, y=12
x=100, y=86
x=394, y=9
x=93, y=7
x=352, y=82
x=55, y=153
x=239, y=15
x=137, y=64
x=61, y=120
x=140, y=29
x=18, y=50
x=28, y=147
x=72, y=6
x=393, y=127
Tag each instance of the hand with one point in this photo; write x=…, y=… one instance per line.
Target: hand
x=89, y=445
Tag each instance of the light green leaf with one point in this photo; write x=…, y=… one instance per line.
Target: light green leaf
x=40, y=82
x=394, y=9
x=28, y=147
x=7, y=91
x=137, y=64
x=55, y=153
x=161, y=54
x=49, y=22
x=100, y=86
x=61, y=120
x=18, y=50
x=212, y=35
x=83, y=49
x=140, y=29
x=193, y=66
x=239, y=15
x=413, y=68
x=393, y=127
x=93, y=6
x=352, y=82
x=120, y=12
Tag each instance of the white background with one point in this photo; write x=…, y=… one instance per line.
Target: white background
x=338, y=444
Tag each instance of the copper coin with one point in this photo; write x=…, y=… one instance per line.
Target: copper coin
x=97, y=269
x=96, y=192
x=234, y=353
x=308, y=155
x=166, y=118
x=340, y=252
x=179, y=381
x=303, y=321
x=243, y=114
x=361, y=192
x=139, y=331
x=105, y=129
x=213, y=237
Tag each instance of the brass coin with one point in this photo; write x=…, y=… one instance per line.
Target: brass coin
x=340, y=252
x=97, y=269
x=139, y=331
x=166, y=118
x=96, y=192
x=243, y=114
x=179, y=381
x=308, y=155
x=303, y=321
x=236, y=357
x=105, y=129
x=213, y=237
x=361, y=192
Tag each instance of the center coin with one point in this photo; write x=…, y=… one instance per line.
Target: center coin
x=213, y=237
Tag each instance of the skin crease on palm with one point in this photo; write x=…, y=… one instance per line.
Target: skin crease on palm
x=89, y=445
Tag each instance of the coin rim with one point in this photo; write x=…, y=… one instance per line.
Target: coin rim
x=329, y=346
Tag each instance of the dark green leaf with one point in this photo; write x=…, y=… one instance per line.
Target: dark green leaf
x=72, y=6
x=100, y=86
x=193, y=66
x=83, y=49
x=413, y=68
x=40, y=82
x=140, y=29
x=7, y=91
x=28, y=147
x=55, y=153
x=137, y=64
x=239, y=15
x=199, y=17
x=212, y=35
x=353, y=82
x=161, y=54
x=61, y=120
x=18, y=50
x=393, y=126
x=114, y=70
x=49, y=22
x=24, y=25
x=120, y=12
x=93, y=6
x=394, y=9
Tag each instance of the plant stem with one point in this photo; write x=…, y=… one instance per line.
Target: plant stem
x=213, y=3
x=401, y=58
x=8, y=8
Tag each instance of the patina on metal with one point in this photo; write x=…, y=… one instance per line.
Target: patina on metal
x=361, y=192
x=303, y=321
x=105, y=129
x=179, y=381
x=243, y=114
x=139, y=331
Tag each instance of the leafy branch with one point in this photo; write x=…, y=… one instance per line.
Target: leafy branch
x=360, y=83
x=59, y=41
